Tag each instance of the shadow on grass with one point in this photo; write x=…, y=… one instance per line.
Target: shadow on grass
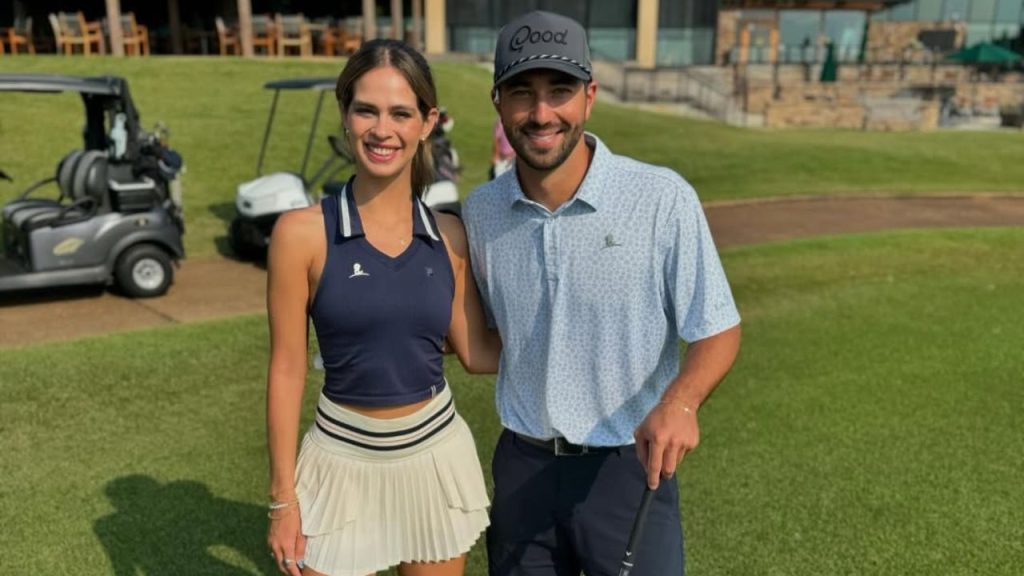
x=225, y=211
x=181, y=528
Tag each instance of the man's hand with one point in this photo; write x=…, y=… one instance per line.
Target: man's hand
x=664, y=437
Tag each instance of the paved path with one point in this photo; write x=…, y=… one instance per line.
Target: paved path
x=215, y=288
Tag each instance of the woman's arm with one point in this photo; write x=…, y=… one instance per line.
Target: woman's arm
x=288, y=270
x=477, y=347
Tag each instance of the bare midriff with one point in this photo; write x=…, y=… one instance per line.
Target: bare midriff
x=387, y=412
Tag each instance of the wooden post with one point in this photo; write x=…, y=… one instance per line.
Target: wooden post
x=174, y=21
x=397, y=20
x=369, y=20
x=437, y=24
x=647, y=33
x=114, y=25
x=417, y=24
x=245, y=27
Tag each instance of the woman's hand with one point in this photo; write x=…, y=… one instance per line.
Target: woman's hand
x=287, y=544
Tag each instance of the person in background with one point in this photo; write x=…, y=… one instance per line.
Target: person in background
x=503, y=156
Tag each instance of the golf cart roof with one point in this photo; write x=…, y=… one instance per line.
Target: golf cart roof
x=101, y=85
x=302, y=84
x=103, y=97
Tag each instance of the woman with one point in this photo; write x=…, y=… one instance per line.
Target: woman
x=388, y=474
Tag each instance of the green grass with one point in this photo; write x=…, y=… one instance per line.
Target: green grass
x=871, y=426
x=216, y=110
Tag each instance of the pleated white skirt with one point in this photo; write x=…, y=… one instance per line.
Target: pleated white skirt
x=375, y=493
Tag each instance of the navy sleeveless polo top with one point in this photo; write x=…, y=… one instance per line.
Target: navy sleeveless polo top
x=381, y=321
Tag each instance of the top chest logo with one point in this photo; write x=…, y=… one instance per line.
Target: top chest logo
x=526, y=35
x=357, y=270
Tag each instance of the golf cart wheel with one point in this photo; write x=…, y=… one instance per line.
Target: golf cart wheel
x=144, y=271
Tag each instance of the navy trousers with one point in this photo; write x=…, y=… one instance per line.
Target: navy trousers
x=562, y=515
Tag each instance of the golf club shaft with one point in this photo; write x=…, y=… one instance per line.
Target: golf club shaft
x=636, y=532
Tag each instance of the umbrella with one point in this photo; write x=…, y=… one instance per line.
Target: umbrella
x=984, y=53
x=829, y=67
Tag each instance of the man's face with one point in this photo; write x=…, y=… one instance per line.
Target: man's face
x=544, y=112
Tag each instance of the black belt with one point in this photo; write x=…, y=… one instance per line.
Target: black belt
x=562, y=447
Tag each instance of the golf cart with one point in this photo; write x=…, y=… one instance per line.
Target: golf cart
x=117, y=214
x=260, y=202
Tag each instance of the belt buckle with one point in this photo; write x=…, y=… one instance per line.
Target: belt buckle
x=560, y=448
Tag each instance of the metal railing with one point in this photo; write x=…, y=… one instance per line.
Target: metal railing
x=684, y=85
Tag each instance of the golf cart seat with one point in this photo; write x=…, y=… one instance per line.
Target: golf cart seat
x=63, y=176
x=87, y=188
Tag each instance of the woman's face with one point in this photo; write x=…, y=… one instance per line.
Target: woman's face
x=384, y=123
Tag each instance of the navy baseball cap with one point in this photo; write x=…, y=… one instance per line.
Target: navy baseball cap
x=541, y=40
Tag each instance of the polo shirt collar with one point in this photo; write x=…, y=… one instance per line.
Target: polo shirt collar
x=590, y=192
x=350, y=226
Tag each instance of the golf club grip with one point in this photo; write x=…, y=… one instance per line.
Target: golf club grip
x=637, y=531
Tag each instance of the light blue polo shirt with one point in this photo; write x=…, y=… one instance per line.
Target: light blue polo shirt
x=590, y=299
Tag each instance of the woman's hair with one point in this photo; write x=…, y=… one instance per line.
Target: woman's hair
x=412, y=65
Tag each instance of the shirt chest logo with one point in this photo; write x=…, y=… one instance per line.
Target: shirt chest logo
x=357, y=270
x=610, y=242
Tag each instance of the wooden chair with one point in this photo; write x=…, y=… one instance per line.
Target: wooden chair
x=263, y=35
x=74, y=30
x=20, y=35
x=227, y=38
x=293, y=32
x=134, y=35
x=350, y=37
x=64, y=42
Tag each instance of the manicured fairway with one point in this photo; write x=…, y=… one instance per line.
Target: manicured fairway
x=871, y=426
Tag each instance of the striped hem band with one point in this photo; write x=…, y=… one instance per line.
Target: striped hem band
x=390, y=440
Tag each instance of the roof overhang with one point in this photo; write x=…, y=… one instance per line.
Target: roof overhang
x=302, y=84
x=866, y=5
x=102, y=85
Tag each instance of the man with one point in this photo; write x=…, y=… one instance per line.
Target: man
x=592, y=266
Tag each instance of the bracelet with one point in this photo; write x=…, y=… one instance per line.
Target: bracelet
x=281, y=505
x=686, y=408
x=277, y=515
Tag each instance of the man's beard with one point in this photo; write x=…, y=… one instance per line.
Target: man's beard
x=520, y=143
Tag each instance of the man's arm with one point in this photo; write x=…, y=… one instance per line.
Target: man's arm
x=671, y=430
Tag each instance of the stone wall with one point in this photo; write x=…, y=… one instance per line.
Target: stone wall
x=726, y=34
x=988, y=97
x=897, y=41
x=811, y=114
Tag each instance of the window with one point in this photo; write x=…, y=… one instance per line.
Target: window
x=955, y=10
x=982, y=11
x=978, y=33
x=846, y=30
x=610, y=14
x=902, y=12
x=798, y=35
x=1009, y=11
x=929, y=10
